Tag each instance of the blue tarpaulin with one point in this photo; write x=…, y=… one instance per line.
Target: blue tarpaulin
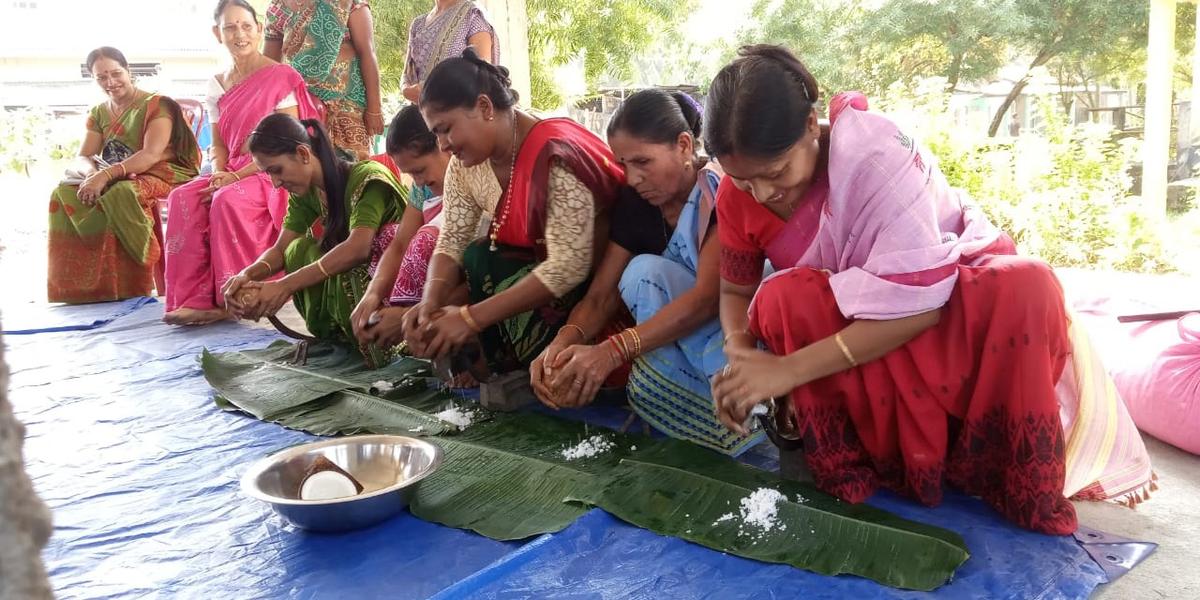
x=141, y=471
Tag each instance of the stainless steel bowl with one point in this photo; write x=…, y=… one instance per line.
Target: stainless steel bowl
x=389, y=467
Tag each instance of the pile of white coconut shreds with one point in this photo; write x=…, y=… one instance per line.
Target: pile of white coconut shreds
x=597, y=444
x=458, y=417
x=383, y=386
x=759, y=512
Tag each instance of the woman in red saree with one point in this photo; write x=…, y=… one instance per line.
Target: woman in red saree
x=916, y=347
x=546, y=185
x=220, y=223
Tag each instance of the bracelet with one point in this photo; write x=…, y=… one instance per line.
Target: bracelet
x=582, y=335
x=266, y=264
x=465, y=312
x=845, y=349
x=616, y=346
x=322, y=268
x=637, y=342
x=373, y=113
x=124, y=171
x=725, y=342
x=107, y=175
x=236, y=177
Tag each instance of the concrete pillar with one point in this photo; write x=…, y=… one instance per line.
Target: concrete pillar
x=1156, y=148
x=512, y=30
x=1193, y=133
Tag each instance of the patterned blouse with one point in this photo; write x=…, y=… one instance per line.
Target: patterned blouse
x=470, y=192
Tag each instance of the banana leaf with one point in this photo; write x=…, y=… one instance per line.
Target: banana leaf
x=506, y=477
x=688, y=492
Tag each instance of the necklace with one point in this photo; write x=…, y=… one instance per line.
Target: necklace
x=506, y=197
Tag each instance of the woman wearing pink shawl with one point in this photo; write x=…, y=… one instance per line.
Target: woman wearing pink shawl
x=915, y=346
x=220, y=223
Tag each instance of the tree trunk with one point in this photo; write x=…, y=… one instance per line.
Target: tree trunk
x=998, y=118
x=1042, y=58
x=953, y=74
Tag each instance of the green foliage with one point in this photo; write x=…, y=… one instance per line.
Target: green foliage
x=1062, y=195
x=392, y=20
x=849, y=46
x=607, y=36
x=28, y=135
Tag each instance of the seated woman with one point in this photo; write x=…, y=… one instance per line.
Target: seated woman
x=915, y=345
x=102, y=243
x=331, y=43
x=219, y=223
x=663, y=263
x=548, y=184
x=398, y=278
x=326, y=276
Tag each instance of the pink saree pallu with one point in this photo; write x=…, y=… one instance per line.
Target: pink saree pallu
x=210, y=242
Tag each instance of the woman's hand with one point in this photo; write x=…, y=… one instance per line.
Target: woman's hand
x=417, y=326
x=450, y=332
x=374, y=122
x=272, y=295
x=751, y=377
x=216, y=181
x=388, y=330
x=235, y=293
x=585, y=369
x=543, y=368
x=360, y=318
x=91, y=188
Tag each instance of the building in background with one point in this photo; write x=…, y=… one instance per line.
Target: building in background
x=43, y=44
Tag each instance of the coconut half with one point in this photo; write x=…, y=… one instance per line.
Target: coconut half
x=327, y=481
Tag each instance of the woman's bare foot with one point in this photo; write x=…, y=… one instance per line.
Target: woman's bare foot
x=192, y=316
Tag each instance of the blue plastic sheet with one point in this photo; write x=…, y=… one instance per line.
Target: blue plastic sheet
x=39, y=318
x=142, y=472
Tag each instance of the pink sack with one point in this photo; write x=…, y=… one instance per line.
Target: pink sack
x=1156, y=364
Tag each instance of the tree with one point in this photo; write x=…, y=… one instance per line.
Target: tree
x=392, y=19
x=605, y=35
x=848, y=46
x=957, y=39
x=1081, y=29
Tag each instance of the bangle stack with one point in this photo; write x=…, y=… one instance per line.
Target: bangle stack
x=628, y=344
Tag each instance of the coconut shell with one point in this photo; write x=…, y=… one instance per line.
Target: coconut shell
x=324, y=464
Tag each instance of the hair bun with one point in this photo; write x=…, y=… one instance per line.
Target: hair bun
x=693, y=113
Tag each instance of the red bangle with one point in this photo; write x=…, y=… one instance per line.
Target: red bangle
x=616, y=346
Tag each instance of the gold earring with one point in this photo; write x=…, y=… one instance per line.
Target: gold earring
x=687, y=164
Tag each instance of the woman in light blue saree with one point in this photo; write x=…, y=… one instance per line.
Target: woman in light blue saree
x=662, y=266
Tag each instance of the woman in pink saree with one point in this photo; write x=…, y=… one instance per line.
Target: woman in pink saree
x=218, y=224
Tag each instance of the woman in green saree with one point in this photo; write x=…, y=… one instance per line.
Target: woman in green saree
x=335, y=212
x=102, y=243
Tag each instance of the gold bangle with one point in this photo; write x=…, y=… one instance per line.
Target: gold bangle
x=465, y=312
x=637, y=342
x=124, y=171
x=622, y=346
x=322, y=268
x=107, y=175
x=266, y=264
x=725, y=342
x=845, y=349
x=236, y=177
x=582, y=334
